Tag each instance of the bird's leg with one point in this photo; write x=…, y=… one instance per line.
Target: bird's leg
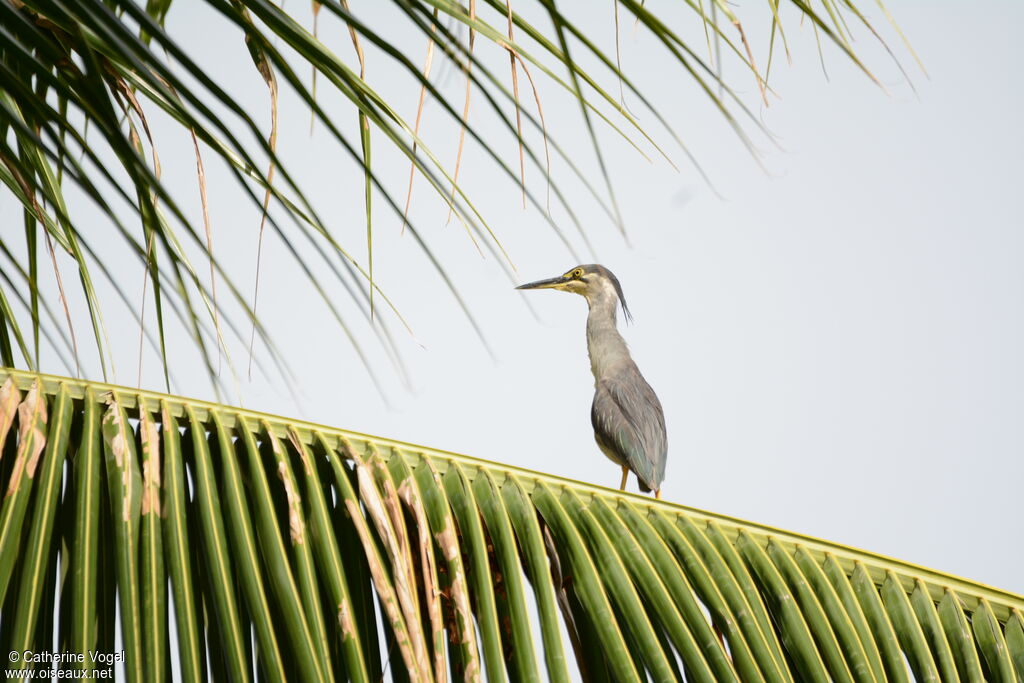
x=657, y=494
x=625, y=475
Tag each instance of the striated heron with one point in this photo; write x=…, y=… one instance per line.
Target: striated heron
x=629, y=424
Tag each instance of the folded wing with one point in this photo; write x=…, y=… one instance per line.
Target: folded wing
x=629, y=421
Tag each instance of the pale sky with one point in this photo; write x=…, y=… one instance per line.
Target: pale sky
x=836, y=342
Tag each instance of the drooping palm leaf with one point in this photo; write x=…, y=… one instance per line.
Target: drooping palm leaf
x=305, y=535
x=79, y=79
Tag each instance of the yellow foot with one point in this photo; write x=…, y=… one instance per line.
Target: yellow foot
x=625, y=475
x=657, y=494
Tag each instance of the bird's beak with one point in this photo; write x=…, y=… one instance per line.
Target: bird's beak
x=550, y=283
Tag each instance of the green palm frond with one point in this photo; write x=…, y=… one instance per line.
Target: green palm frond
x=79, y=82
x=285, y=542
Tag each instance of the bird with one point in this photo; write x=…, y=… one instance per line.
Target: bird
x=628, y=420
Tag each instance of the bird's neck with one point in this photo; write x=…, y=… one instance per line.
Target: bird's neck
x=607, y=348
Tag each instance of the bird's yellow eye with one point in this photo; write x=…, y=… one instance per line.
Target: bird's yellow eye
x=576, y=274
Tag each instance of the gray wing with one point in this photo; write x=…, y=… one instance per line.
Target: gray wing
x=628, y=420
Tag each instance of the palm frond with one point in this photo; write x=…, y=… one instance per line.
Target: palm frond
x=79, y=81
x=288, y=541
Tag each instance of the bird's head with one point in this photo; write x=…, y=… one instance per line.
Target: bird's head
x=592, y=281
